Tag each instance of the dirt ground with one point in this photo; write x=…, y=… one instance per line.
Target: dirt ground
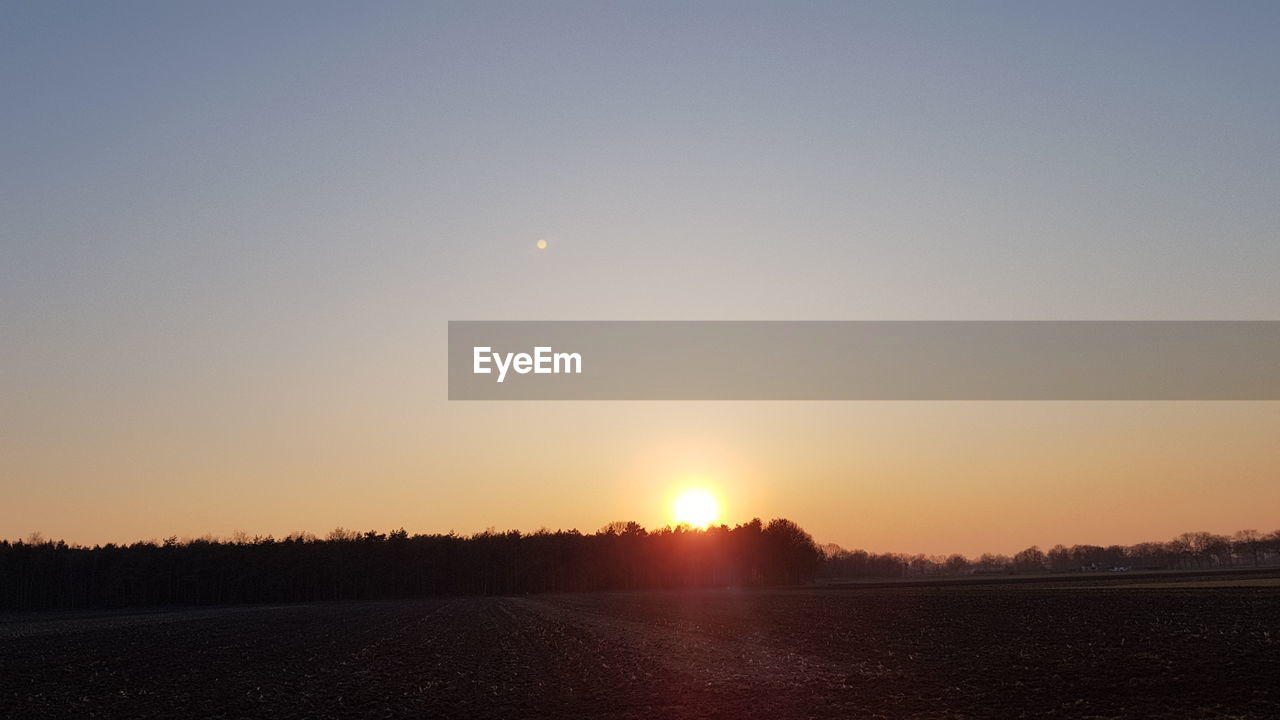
x=925, y=652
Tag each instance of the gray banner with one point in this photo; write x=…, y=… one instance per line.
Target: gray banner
x=815, y=360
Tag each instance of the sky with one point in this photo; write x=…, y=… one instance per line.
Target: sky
x=232, y=234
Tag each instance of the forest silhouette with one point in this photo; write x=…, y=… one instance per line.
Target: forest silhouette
x=347, y=565
x=365, y=566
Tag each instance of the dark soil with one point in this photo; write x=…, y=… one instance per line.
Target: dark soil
x=924, y=652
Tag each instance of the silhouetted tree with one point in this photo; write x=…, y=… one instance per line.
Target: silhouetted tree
x=1248, y=543
x=350, y=565
x=1030, y=560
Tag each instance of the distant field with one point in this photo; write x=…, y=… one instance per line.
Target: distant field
x=1235, y=582
x=921, y=652
x=1089, y=579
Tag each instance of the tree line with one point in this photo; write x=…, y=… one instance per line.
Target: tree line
x=345, y=565
x=1188, y=551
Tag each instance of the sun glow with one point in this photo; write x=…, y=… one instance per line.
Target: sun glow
x=696, y=507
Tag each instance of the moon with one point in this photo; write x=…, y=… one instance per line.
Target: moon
x=542, y=244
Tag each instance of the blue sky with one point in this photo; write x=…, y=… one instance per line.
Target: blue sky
x=240, y=215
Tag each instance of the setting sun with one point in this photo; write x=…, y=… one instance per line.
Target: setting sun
x=696, y=507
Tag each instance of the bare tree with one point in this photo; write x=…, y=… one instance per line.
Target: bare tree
x=1030, y=560
x=1250, y=542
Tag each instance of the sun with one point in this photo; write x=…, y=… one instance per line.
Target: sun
x=696, y=507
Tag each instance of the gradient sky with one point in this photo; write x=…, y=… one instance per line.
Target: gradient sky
x=231, y=236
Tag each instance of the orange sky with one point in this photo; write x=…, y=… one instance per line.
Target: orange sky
x=909, y=477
